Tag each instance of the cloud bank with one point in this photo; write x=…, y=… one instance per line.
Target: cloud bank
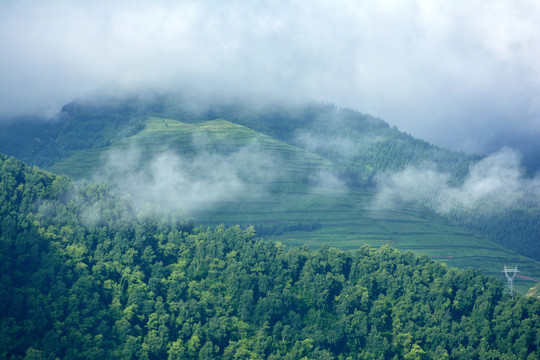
x=460, y=74
x=494, y=185
x=168, y=181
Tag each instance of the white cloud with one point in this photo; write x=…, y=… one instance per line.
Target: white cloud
x=174, y=182
x=494, y=184
x=457, y=73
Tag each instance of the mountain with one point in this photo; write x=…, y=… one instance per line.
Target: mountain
x=298, y=174
x=84, y=275
x=361, y=144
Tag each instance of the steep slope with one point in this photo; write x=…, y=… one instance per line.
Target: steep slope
x=83, y=124
x=285, y=192
x=82, y=277
x=217, y=136
x=363, y=145
x=348, y=152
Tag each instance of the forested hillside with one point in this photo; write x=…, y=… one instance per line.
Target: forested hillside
x=221, y=172
x=362, y=149
x=80, y=125
x=363, y=145
x=83, y=276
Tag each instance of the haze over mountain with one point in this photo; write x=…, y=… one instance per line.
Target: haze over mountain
x=462, y=75
x=301, y=174
x=227, y=180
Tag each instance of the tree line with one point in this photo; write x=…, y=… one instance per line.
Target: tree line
x=83, y=276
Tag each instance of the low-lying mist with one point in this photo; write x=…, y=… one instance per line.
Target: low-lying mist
x=174, y=182
x=493, y=185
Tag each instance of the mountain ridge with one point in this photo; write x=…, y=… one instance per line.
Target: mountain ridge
x=350, y=142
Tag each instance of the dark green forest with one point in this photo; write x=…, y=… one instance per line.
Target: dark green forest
x=84, y=276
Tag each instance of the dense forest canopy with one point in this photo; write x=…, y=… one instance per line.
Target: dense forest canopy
x=83, y=276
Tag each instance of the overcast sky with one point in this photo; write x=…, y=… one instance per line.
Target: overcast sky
x=463, y=74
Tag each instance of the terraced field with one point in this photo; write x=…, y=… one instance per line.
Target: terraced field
x=347, y=221
x=292, y=186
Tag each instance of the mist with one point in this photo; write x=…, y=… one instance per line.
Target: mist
x=493, y=185
x=460, y=74
x=167, y=181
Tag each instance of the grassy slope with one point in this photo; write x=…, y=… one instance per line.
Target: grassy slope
x=346, y=216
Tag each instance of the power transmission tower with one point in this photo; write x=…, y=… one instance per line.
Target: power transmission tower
x=510, y=278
